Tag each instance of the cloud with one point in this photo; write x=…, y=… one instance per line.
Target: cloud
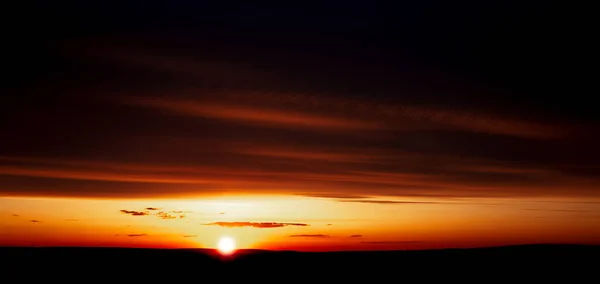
x=310, y=236
x=334, y=195
x=387, y=201
x=133, y=213
x=558, y=210
x=150, y=211
x=391, y=242
x=35, y=221
x=248, y=131
x=260, y=225
x=250, y=115
x=137, y=235
x=14, y=215
x=355, y=236
x=190, y=236
x=167, y=216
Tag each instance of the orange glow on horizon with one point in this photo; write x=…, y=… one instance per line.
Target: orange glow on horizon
x=282, y=222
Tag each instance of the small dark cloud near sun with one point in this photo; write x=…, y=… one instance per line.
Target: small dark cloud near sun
x=35, y=221
x=166, y=216
x=15, y=215
x=190, y=236
x=153, y=211
x=260, y=225
x=137, y=235
x=310, y=236
x=133, y=213
x=355, y=236
x=329, y=225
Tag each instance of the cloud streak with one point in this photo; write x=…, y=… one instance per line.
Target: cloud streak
x=151, y=211
x=391, y=242
x=137, y=235
x=260, y=225
x=134, y=213
x=240, y=131
x=387, y=201
x=253, y=115
x=318, y=236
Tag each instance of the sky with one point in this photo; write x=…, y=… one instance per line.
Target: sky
x=331, y=127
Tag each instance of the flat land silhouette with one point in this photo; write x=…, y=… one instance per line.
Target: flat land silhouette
x=510, y=263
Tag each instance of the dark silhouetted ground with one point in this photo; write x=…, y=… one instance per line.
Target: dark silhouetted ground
x=568, y=263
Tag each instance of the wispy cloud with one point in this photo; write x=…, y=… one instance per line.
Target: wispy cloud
x=150, y=211
x=310, y=236
x=252, y=115
x=133, y=213
x=252, y=137
x=391, y=242
x=137, y=235
x=260, y=225
x=386, y=201
x=558, y=210
x=355, y=236
x=35, y=221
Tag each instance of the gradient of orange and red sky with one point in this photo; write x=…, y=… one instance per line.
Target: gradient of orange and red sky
x=152, y=131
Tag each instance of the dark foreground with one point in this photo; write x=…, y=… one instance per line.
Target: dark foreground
x=569, y=263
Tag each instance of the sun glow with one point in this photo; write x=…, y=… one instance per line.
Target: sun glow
x=226, y=245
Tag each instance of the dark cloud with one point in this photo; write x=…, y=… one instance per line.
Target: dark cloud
x=355, y=236
x=14, y=215
x=133, y=213
x=35, y=221
x=137, y=235
x=310, y=236
x=446, y=115
x=150, y=211
x=261, y=225
x=168, y=216
x=190, y=236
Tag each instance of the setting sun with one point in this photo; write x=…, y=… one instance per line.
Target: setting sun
x=226, y=245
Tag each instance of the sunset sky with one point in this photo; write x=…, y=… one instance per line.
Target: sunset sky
x=176, y=125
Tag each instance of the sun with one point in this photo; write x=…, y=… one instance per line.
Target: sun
x=226, y=245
